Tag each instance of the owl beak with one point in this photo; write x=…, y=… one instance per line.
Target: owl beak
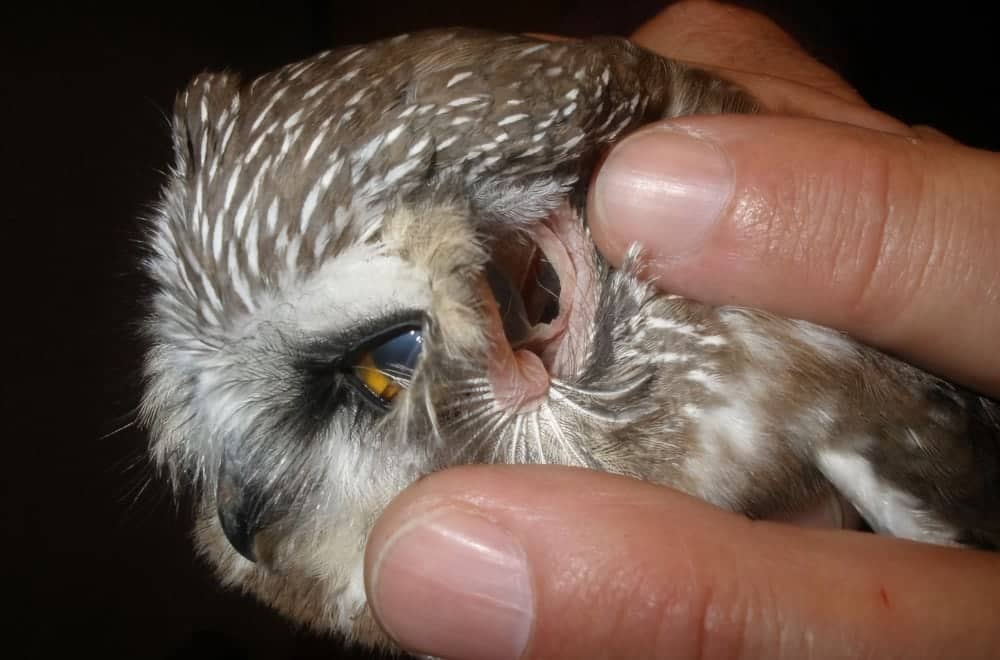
x=243, y=509
x=237, y=518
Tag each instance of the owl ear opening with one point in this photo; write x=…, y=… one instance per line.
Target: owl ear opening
x=203, y=113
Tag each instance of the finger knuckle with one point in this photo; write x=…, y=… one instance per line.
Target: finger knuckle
x=894, y=245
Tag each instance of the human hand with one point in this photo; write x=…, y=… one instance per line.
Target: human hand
x=832, y=212
x=825, y=210
x=502, y=562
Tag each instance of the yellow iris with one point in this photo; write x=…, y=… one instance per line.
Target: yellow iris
x=380, y=384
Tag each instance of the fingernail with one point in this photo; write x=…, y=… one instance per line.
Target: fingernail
x=664, y=189
x=453, y=584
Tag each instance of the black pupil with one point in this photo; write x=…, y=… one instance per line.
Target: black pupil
x=398, y=356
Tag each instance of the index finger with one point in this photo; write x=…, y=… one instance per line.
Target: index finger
x=753, y=52
x=737, y=39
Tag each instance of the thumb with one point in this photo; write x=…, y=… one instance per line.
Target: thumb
x=508, y=562
x=893, y=239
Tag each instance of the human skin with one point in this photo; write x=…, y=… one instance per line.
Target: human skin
x=825, y=210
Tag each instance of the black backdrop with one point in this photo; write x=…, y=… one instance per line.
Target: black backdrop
x=94, y=561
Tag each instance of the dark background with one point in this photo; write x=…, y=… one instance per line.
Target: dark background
x=96, y=558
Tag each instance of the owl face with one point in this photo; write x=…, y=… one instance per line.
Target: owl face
x=299, y=396
x=436, y=341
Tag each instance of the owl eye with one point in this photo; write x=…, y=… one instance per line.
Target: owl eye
x=386, y=368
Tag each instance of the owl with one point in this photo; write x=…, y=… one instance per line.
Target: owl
x=374, y=263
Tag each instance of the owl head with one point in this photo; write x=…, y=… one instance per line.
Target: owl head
x=373, y=264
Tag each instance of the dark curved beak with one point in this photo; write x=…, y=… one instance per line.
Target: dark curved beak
x=237, y=518
x=243, y=508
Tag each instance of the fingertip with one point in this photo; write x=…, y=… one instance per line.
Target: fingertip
x=663, y=188
x=452, y=582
